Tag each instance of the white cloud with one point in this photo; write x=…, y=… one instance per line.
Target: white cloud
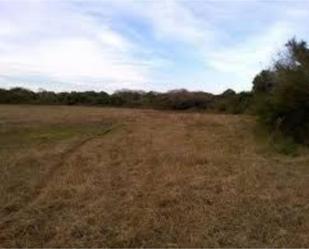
x=72, y=60
x=80, y=42
x=252, y=53
x=238, y=61
x=82, y=50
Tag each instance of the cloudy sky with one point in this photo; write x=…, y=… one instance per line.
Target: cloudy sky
x=143, y=44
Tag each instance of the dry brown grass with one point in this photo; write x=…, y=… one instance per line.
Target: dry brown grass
x=100, y=177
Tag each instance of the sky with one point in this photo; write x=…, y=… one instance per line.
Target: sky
x=108, y=45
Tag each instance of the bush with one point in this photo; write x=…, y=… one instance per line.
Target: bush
x=231, y=102
x=285, y=108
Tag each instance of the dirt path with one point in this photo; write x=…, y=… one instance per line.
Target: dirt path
x=63, y=158
x=51, y=174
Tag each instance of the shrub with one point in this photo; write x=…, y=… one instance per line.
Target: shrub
x=286, y=107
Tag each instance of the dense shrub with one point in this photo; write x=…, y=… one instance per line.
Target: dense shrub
x=128, y=98
x=264, y=82
x=172, y=100
x=17, y=95
x=231, y=102
x=285, y=108
x=182, y=99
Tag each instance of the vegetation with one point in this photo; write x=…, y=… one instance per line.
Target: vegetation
x=280, y=97
x=282, y=94
x=179, y=99
x=231, y=102
x=117, y=177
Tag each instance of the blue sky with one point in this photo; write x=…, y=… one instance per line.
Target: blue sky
x=143, y=44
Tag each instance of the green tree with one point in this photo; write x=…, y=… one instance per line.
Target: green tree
x=286, y=107
x=264, y=82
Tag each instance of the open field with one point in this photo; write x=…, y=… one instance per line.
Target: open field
x=104, y=177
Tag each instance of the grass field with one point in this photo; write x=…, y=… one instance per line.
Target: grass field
x=104, y=177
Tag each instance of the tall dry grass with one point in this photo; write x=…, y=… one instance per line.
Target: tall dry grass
x=155, y=179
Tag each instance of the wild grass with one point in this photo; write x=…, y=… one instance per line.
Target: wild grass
x=276, y=142
x=104, y=177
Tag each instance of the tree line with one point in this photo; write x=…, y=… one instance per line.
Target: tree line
x=279, y=96
x=179, y=99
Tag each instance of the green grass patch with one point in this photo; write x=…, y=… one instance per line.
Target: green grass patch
x=275, y=142
x=24, y=136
